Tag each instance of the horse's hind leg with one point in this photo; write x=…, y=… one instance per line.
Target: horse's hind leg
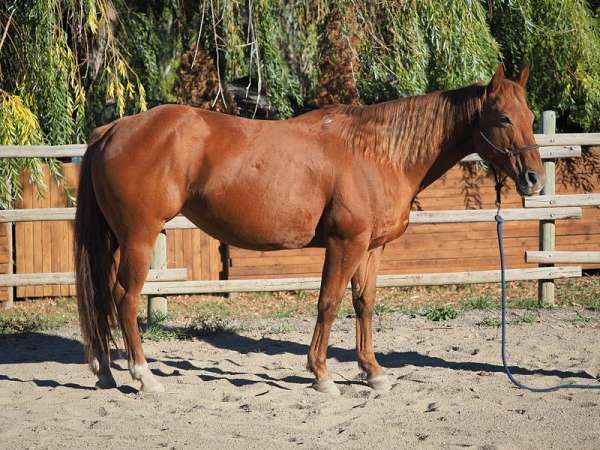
x=136, y=253
x=100, y=365
x=363, y=299
x=341, y=259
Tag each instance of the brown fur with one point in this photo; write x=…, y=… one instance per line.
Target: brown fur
x=408, y=130
x=342, y=178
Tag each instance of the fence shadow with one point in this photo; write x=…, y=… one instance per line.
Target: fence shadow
x=273, y=347
x=34, y=347
x=40, y=347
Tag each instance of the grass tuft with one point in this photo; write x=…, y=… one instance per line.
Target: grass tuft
x=201, y=326
x=440, y=313
x=22, y=321
x=382, y=309
x=482, y=302
x=594, y=305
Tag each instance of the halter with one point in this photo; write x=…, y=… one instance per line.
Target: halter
x=508, y=152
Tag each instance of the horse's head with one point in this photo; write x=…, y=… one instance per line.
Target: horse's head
x=505, y=135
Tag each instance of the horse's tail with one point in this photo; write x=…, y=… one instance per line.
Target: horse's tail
x=95, y=245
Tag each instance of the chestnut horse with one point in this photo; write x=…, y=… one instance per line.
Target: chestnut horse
x=341, y=177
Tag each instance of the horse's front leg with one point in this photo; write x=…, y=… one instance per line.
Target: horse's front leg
x=342, y=257
x=363, y=298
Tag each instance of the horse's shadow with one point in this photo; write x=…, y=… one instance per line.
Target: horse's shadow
x=41, y=347
x=273, y=347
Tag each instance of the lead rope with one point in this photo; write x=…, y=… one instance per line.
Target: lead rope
x=499, y=228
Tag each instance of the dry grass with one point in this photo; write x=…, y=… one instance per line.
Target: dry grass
x=45, y=314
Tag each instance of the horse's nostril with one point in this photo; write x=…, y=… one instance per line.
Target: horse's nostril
x=531, y=177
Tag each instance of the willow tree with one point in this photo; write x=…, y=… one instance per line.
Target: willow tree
x=69, y=65
x=561, y=40
x=52, y=49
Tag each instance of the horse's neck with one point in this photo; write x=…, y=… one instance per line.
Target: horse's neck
x=453, y=144
x=447, y=156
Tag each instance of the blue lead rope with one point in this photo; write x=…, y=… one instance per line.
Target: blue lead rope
x=499, y=226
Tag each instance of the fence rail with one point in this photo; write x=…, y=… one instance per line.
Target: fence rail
x=545, y=208
x=313, y=283
x=36, y=279
x=78, y=150
x=421, y=217
x=42, y=151
x=548, y=201
x=562, y=257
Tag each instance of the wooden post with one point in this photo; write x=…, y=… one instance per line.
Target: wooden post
x=158, y=305
x=548, y=227
x=10, y=300
x=10, y=242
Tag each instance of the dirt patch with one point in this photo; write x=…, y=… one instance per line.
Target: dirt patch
x=250, y=389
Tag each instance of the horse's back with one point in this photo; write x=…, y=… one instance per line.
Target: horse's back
x=254, y=184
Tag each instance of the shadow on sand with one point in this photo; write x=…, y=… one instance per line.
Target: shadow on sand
x=40, y=347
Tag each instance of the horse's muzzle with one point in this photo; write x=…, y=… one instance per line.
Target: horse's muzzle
x=530, y=182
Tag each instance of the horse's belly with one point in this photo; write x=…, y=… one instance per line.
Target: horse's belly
x=254, y=225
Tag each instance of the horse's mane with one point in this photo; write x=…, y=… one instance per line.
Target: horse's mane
x=408, y=130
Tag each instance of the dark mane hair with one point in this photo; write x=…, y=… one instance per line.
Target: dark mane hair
x=408, y=130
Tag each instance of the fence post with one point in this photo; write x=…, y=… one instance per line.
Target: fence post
x=10, y=300
x=10, y=242
x=158, y=305
x=548, y=227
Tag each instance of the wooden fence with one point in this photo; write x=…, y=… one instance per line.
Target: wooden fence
x=453, y=245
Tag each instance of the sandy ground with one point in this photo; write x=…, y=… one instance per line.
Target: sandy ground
x=250, y=390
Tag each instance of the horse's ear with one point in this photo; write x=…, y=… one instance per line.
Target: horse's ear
x=523, y=76
x=496, y=81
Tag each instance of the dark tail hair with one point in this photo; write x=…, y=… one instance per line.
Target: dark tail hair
x=95, y=245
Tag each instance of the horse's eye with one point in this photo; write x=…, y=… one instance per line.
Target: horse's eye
x=505, y=121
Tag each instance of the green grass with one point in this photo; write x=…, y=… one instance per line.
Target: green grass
x=158, y=317
x=581, y=319
x=346, y=312
x=281, y=328
x=28, y=322
x=594, y=305
x=486, y=303
x=383, y=309
x=440, y=313
x=38, y=316
x=482, y=302
x=200, y=327
x=528, y=303
x=494, y=322
x=190, y=316
x=283, y=313
x=526, y=318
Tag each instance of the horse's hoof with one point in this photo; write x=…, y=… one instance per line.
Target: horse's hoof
x=106, y=383
x=326, y=387
x=379, y=383
x=154, y=388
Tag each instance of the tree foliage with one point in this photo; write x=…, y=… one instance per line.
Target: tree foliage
x=561, y=40
x=76, y=64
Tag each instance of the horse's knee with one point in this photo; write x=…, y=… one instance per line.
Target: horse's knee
x=127, y=308
x=328, y=310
